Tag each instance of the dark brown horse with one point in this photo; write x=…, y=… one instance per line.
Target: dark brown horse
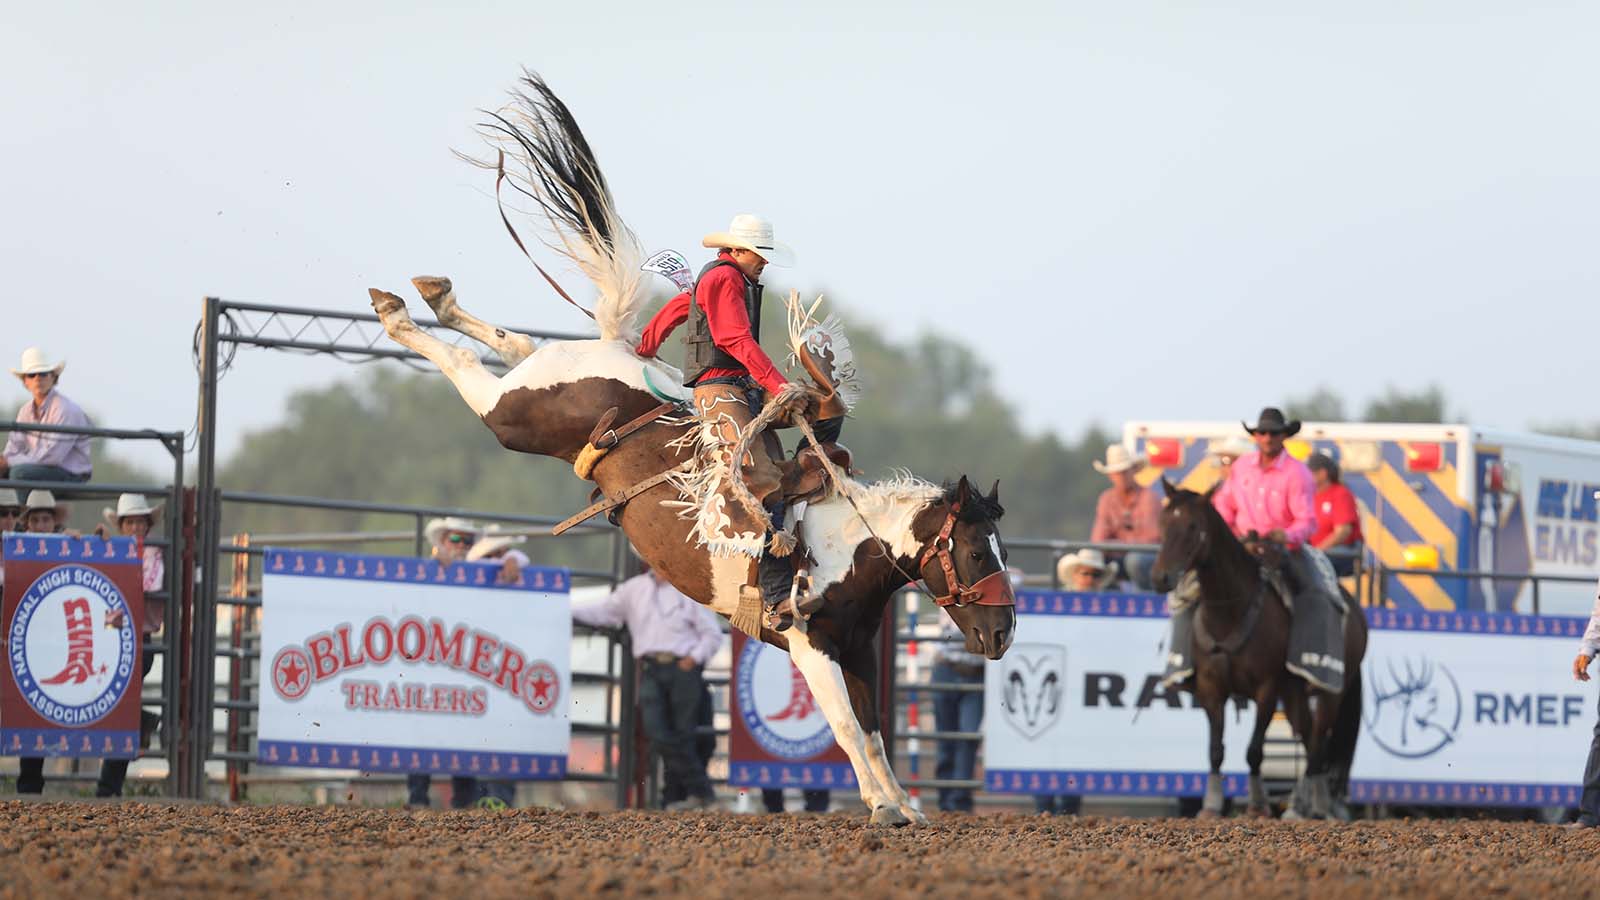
x=1240, y=645
x=867, y=544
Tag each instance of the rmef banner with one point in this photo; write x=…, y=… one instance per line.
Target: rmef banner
x=778, y=736
x=1472, y=708
x=1458, y=708
x=399, y=664
x=71, y=610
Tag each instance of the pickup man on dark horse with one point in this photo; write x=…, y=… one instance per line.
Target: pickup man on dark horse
x=732, y=376
x=1269, y=504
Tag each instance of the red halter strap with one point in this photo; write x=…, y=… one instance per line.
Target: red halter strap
x=993, y=589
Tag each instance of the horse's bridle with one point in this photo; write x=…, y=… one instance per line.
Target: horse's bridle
x=993, y=589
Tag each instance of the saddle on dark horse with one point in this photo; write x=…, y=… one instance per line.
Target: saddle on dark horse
x=1304, y=581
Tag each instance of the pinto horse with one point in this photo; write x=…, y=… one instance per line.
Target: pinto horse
x=1240, y=645
x=868, y=541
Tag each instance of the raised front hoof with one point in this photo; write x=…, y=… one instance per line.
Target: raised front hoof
x=888, y=815
x=434, y=290
x=386, y=305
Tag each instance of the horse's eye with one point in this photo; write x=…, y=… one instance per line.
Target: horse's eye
x=977, y=556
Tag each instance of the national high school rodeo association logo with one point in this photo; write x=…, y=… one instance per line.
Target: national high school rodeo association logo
x=777, y=707
x=71, y=646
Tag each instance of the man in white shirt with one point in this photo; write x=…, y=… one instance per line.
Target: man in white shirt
x=673, y=638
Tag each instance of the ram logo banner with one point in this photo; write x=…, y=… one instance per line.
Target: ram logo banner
x=1031, y=678
x=778, y=736
x=397, y=664
x=71, y=611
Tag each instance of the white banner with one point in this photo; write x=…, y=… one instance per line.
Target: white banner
x=398, y=664
x=1458, y=708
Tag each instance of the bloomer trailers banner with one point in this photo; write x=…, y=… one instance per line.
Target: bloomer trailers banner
x=778, y=736
x=1076, y=705
x=403, y=665
x=1468, y=708
x=71, y=609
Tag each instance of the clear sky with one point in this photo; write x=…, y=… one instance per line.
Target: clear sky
x=1131, y=210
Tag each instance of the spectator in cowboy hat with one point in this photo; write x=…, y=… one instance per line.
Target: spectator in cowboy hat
x=1085, y=570
x=42, y=514
x=495, y=544
x=134, y=517
x=1127, y=513
x=451, y=538
x=42, y=456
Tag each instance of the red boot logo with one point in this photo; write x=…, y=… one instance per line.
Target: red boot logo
x=801, y=704
x=80, y=645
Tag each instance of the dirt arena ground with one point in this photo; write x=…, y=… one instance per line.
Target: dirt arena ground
x=84, y=850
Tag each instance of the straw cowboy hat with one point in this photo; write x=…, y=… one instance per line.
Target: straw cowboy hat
x=1232, y=447
x=1118, y=459
x=492, y=542
x=1271, y=421
x=129, y=505
x=436, y=528
x=34, y=361
x=753, y=233
x=8, y=498
x=1087, y=558
x=40, y=499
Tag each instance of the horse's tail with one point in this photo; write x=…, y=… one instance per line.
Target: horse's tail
x=542, y=154
x=1346, y=728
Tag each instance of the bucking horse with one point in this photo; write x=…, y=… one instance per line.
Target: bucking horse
x=564, y=399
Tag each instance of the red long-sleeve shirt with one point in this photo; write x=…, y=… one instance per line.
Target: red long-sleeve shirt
x=721, y=298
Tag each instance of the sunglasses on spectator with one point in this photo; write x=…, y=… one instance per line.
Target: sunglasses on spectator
x=10, y=512
x=461, y=539
x=36, y=375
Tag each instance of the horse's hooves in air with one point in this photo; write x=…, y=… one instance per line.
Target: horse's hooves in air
x=384, y=303
x=431, y=288
x=888, y=815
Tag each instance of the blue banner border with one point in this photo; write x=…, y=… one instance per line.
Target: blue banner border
x=69, y=742
x=409, y=570
x=28, y=547
x=433, y=760
x=805, y=776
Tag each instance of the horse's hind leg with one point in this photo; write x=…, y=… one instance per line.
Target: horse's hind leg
x=1266, y=704
x=476, y=385
x=440, y=296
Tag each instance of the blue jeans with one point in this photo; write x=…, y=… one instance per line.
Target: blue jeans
x=1058, y=805
x=37, y=472
x=957, y=760
x=1136, y=566
x=669, y=705
x=1589, y=804
x=816, y=801
x=463, y=790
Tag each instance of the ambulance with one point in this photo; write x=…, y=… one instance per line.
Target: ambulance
x=1454, y=517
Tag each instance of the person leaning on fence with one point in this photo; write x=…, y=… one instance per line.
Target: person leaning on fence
x=134, y=517
x=496, y=546
x=1589, y=802
x=38, y=517
x=1127, y=512
x=673, y=637
x=36, y=455
x=1338, y=522
x=450, y=538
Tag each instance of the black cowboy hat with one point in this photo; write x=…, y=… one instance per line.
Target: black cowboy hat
x=1271, y=421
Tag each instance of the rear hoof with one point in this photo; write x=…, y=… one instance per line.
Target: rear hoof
x=431, y=288
x=888, y=815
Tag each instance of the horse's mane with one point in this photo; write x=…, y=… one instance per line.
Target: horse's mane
x=903, y=486
x=543, y=156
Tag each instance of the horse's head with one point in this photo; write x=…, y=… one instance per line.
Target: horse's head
x=963, y=564
x=1189, y=525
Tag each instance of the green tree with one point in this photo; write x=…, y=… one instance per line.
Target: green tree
x=1399, y=405
x=1321, y=405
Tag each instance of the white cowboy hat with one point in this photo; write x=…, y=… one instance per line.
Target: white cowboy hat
x=8, y=497
x=754, y=233
x=130, y=505
x=1232, y=446
x=40, y=499
x=1087, y=558
x=436, y=528
x=492, y=542
x=1118, y=459
x=34, y=361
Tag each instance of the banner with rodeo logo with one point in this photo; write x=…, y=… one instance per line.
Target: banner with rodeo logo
x=778, y=736
x=397, y=664
x=71, y=610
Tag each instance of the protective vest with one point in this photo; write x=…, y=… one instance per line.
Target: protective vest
x=701, y=352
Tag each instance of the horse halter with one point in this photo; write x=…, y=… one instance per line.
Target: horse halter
x=993, y=589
